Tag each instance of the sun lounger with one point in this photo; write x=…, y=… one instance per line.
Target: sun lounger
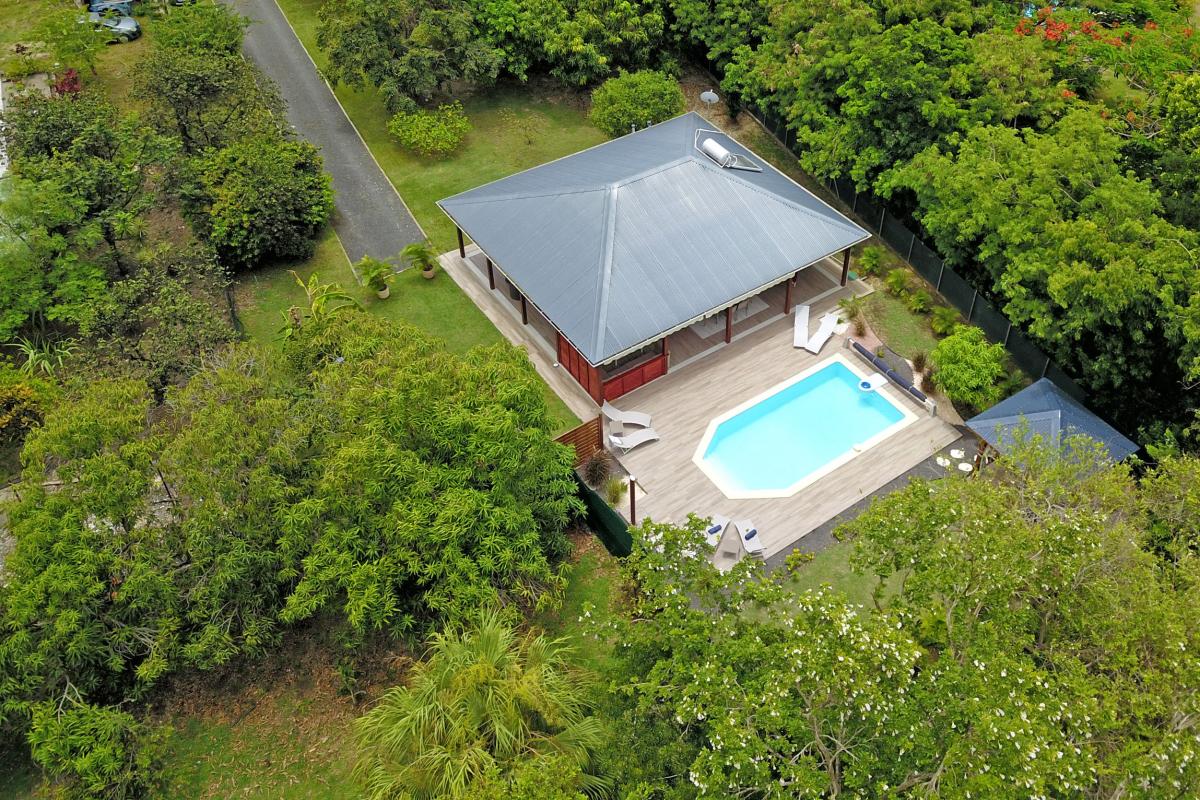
x=800, y=327
x=716, y=529
x=629, y=441
x=824, y=331
x=626, y=417
x=751, y=541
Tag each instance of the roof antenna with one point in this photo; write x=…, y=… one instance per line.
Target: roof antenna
x=709, y=98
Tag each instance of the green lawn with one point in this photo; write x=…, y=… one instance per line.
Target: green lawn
x=832, y=567
x=900, y=329
x=436, y=306
x=492, y=150
x=21, y=19
x=591, y=581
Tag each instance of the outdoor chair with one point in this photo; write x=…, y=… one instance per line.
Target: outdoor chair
x=716, y=530
x=629, y=441
x=800, y=327
x=625, y=417
x=824, y=331
x=751, y=541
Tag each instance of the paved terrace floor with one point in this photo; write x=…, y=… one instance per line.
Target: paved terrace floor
x=683, y=403
x=670, y=485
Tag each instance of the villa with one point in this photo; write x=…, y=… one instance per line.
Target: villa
x=663, y=268
x=616, y=252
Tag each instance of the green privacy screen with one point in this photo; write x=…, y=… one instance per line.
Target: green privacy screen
x=604, y=522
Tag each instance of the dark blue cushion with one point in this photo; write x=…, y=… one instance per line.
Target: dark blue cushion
x=751, y=534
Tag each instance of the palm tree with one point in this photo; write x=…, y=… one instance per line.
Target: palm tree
x=486, y=699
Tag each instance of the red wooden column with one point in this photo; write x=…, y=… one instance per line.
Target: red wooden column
x=729, y=325
x=491, y=275
x=787, y=295
x=845, y=266
x=462, y=245
x=524, y=311
x=667, y=350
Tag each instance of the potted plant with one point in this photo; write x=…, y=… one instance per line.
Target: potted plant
x=420, y=255
x=376, y=275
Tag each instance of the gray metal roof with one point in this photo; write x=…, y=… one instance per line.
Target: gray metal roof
x=623, y=242
x=1047, y=411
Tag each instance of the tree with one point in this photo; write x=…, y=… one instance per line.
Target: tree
x=576, y=41
x=1077, y=253
x=260, y=198
x=408, y=50
x=74, y=43
x=1032, y=587
x=440, y=491
x=198, y=84
x=635, y=100
x=160, y=323
x=486, y=702
x=968, y=368
x=96, y=752
x=731, y=687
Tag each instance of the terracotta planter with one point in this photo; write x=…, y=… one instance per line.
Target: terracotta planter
x=383, y=293
x=427, y=274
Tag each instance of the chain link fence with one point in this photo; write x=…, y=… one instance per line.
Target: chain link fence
x=872, y=214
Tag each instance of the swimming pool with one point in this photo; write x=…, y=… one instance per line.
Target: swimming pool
x=777, y=443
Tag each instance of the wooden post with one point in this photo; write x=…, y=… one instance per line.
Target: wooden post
x=845, y=266
x=729, y=325
x=787, y=296
x=666, y=347
x=632, y=500
x=462, y=246
x=524, y=311
x=491, y=275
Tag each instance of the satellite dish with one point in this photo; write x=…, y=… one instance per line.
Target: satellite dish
x=709, y=97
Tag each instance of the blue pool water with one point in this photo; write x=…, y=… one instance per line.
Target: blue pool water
x=784, y=438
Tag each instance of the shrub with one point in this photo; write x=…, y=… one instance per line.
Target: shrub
x=260, y=198
x=23, y=401
x=615, y=489
x=920, y=360
x=96, y=752
x=435, y=133
x=635, y=99
x=944, y=320
x=968, y=367
x=870, y=259
x=920, y=301
x=897, y=282
x=598, y=468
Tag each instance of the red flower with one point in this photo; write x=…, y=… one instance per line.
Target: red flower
x=1067, y=94
x=1151, y=25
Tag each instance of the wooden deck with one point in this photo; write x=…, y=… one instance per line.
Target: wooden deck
x=715, y=378
x=683, y=403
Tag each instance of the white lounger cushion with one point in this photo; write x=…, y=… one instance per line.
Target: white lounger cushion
x=632, y=440
x=800, y=327
x=824, y=331
x=716, y=529
x=751, y=541
x=625, y=417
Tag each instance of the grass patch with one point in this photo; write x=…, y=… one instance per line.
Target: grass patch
x=831, y=567
x=900, y=329
x=436, y=306
x=591, y=580
x=19, y=777
x=492, y=150
x=22, y=18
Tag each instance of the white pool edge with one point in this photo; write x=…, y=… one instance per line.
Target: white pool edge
x=722, y=481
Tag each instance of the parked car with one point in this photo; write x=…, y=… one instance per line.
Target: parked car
x=117, y=27
x=123, y=7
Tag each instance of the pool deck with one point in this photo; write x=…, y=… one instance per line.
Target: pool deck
x=685, y=400
x=670, y=485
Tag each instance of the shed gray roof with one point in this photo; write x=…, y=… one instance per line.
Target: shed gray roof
x=632, y=238
x=1049, y=412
